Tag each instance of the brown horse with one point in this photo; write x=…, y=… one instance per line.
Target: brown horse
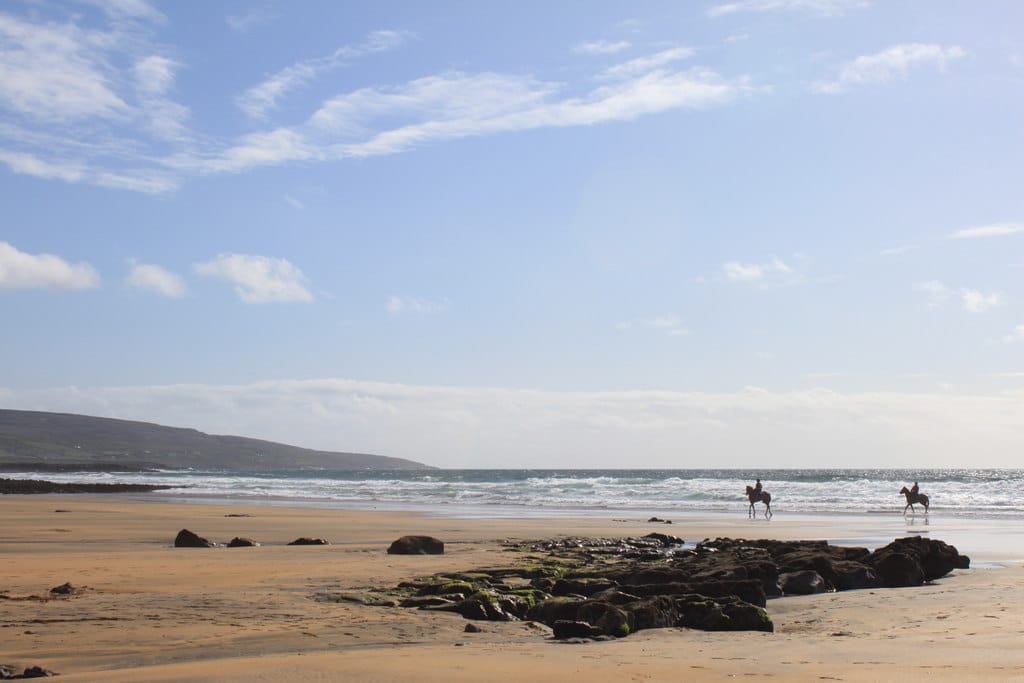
x=914, y=498
x=764, y=497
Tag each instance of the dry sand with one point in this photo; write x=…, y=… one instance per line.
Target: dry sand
x=150, y=612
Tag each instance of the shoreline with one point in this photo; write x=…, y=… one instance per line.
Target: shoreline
x=148, y=611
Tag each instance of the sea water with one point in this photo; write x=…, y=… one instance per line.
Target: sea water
x=965, y=493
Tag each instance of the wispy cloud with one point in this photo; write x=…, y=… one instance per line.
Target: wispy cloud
x=56, y=72
x=972, y=300
x=642, y=65
x=601, y=47
x=155, y=279
x=979, y=302
x=260, y=99
x=293, y=202
x=258, y=279
x=936, y=292
x=249, y=19
x=1017, y=336
x=154, y=76
x=992, y=230
x=823, y=7
x=94, y=103
x=737, y=271
x=894, y=62
x=897, y=251
x=669, y=323
x=19, y=270
x=408, y=304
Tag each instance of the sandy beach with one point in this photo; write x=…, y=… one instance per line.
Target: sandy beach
x=146, y=611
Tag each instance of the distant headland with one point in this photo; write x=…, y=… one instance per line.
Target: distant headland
x=44, y=441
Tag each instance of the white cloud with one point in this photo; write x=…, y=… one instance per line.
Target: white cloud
x=261, y=98
x=459, y=105
x=752, y=272
x=500, y=427
x=155, y=279
x=669, y=323
x=978, y=302
x=601, y=47
x=823, y=7
x=643, y=65
x=258, y=279
x=897, y=251
x=27, y=164
x=404, y=304
x=1016, y=336
x=892, y=63
x=936, y=291
x=91, y=100
x=19, y=270
x=293, y=202
x=56, y=72
x=165, y=118
x=993, y=230
x=128, y=9
x=249, y=19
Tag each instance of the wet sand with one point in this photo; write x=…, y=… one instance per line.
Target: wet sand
x=146, y=611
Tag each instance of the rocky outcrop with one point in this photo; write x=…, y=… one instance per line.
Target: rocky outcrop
x=238, y=542
x=309, y=541
x=601, y=588
x=416, y=545
x=188, y=539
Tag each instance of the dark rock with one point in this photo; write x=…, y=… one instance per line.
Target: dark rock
x=36, y=672
x=187, y=539
x=416, y=545
x=483, y=606
x=63, y=589
x=899, y=569
x=665, y=539
x=895, y=563
x=585, y=586
x=563, y=629
x=803, y=582
x=472, y=628
x=237, y=542
x=722, y=614
x=309, y=541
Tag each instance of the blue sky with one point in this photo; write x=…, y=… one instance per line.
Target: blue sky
x=750, y=233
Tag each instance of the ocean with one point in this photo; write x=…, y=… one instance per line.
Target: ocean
x=965, y=493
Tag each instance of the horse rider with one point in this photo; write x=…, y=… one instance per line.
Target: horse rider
x=757, y=487
x=914, y=490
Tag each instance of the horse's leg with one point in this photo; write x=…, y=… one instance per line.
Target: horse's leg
x=751, y=512
x=767, y=510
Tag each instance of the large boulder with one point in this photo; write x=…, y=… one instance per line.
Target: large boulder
x=416, y=545
x=188, y=539
x=238, y=542
x=309, y=541
x=913, y=560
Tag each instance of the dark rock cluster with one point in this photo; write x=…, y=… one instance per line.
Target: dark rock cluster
x=598, y=588
x=189, y=539
x=24, y=486
x=416, y=545
x=8, y=673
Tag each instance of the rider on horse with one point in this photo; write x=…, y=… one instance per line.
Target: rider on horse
x=757, y=487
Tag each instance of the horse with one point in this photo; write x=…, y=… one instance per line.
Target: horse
x=762, y=496
x=914, y=498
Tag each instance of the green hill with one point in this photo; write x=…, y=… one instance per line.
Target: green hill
x=64, y=441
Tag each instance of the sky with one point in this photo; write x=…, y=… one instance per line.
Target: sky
x=747, y=233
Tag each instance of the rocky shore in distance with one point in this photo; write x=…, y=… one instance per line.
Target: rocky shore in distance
x=23, y=486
